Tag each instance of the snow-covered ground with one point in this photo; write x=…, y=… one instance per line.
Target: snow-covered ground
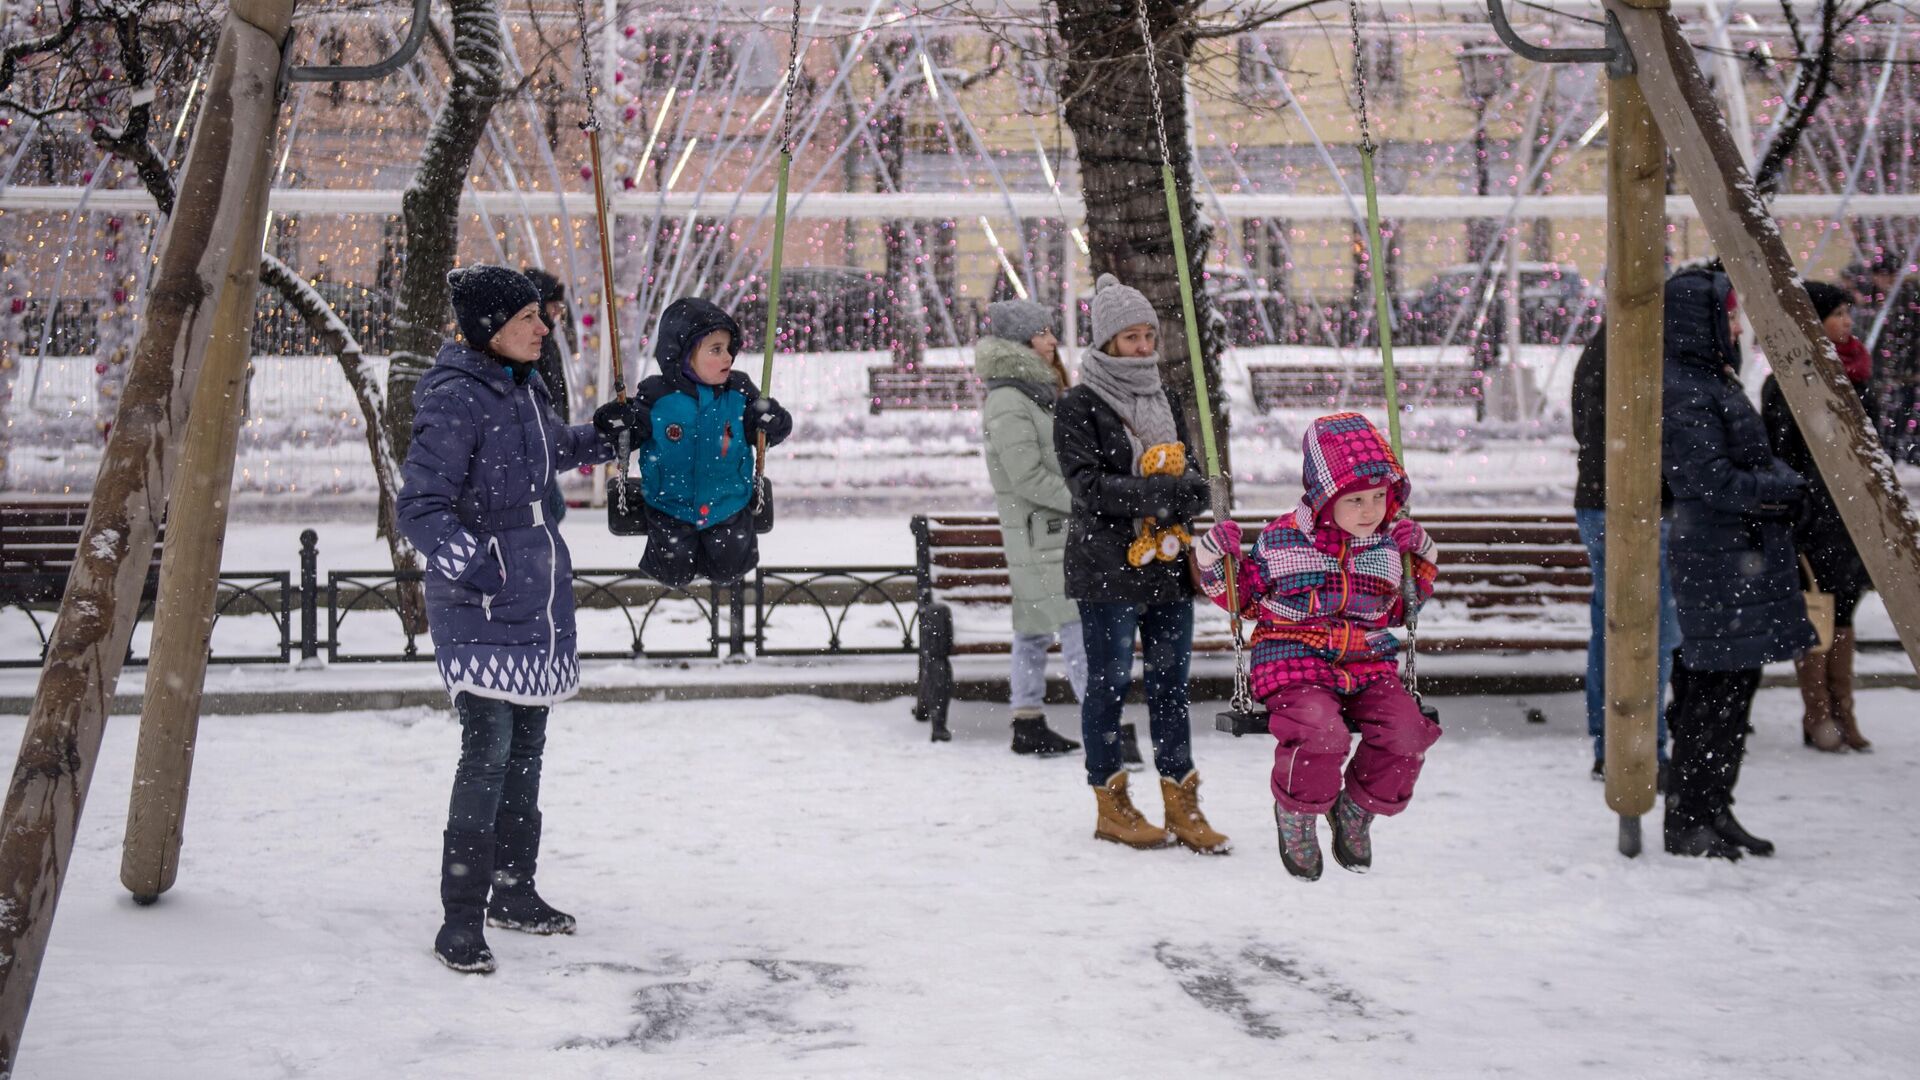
x=797, y=887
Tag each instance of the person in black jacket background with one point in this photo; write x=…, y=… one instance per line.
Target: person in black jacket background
x=1735, y=576
x=1103, y=429
x=1826, y=678
x=552, y=366
x=1589, y=408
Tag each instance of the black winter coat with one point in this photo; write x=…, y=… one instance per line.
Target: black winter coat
x=1097, y=460
x=1589, y=408
x=1736, y=578
x=1821, y=535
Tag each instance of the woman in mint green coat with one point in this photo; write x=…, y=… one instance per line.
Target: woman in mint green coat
x=1019, y=360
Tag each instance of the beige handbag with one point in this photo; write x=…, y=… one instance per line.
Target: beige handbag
x=1819, y=609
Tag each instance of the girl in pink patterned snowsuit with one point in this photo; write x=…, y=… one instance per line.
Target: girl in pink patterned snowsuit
x=1323, y=584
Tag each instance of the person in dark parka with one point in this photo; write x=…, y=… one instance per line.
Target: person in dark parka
x=478, y=474
x=1735, y=575
x=552, y=366
x=1106, y=431
x=1826, y=678
x=696, y=424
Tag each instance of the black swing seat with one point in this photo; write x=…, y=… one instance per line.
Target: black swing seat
x=633, y=520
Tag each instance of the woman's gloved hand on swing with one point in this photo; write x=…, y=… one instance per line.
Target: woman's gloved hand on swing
x=617, y=417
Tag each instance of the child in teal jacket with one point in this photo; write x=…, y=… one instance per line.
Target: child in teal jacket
x=697, y=423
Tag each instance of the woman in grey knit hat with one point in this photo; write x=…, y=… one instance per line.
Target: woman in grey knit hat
x=1103, y=429
x=1019, y=359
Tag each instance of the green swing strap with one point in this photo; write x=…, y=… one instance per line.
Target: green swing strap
x=779, y=255
x=1242, y=700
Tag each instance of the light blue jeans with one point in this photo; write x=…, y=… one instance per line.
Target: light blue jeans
x=1030, y=667
x=1593, y=533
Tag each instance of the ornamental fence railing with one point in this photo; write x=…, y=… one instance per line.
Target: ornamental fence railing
x=354, y=616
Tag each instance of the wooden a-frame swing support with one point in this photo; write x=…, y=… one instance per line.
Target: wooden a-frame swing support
x=1656, y=89
x=169, y=454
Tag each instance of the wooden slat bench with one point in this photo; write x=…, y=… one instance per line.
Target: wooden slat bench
x=1510, y=581
x=39, y=539
x=1318, y=386
x=892, y=389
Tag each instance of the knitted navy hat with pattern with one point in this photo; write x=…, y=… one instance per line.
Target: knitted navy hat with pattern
x=486, y=297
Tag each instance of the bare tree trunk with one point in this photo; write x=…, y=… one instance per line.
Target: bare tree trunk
x=906, y=329
x=197, y=281
x=320, y=318
x=431, y=208
x=1109, y=108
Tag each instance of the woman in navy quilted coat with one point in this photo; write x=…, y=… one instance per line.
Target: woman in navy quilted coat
x=1735, y=576
x=478, y=476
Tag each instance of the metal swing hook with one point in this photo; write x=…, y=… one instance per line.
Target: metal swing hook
x=1616, y=55
x=416, y=33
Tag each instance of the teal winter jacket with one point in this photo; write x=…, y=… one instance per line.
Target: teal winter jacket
x=696, y=444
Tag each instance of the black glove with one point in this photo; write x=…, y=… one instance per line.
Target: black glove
x=617, y=417
x=1186, y=495
x=759, y=415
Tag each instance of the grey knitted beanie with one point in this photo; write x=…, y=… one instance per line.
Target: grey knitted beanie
x=1116, y=307
x=1017, y=320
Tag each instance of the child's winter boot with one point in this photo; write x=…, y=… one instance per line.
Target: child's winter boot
x=1352, y=846
x=1031, y=735
x=515, y=904
x=1299, y=843
x=1184, y=819
x=466, y=870
x=1119, y=821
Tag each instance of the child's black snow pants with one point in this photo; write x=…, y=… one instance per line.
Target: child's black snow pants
x=677, y=552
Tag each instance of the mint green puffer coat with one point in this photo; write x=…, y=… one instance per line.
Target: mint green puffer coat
x=1027, y=483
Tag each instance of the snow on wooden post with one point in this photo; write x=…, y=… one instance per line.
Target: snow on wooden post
x=1636, y=249
x=225, y=163
x=1848, y=452
x=190, y=574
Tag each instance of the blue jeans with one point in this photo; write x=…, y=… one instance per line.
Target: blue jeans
x=1166, y=638
x=499, y=770
x=1593, y=533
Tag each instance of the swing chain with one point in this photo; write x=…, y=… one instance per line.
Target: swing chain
x=592, y=122
x=1153, y=81
x=1360, y=76
x=793, y=71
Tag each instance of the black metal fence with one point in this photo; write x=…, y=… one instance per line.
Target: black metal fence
x=353, y=616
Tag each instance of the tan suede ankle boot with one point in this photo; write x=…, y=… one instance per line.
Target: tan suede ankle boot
x=1817, y=728
x=1184, y=819
x=1840, y=689
x=1119, y=821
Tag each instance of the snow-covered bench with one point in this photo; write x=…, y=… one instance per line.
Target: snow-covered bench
x=1510, y=581
x=1280, y=386
x=38, y=539
x=926, y=387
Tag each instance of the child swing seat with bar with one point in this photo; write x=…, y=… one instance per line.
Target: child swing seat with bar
x=1243, y=716
x=626, y=507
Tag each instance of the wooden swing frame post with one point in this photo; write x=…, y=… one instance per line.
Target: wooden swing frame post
x=209, y=242
x=1636, y=281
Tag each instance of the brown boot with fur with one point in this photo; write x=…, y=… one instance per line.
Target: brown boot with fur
x=1184, y=819
x=1817, y=728
x=1840, y=687
x=1119, y=821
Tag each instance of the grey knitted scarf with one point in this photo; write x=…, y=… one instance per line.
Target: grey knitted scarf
x=1132, y=386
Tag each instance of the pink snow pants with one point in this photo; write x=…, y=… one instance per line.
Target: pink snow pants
x=1307, y=721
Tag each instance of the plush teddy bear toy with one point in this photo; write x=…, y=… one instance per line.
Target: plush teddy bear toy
x=1164, y=459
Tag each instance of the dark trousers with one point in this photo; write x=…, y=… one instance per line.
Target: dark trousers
x=1166, y=639
x=1708, y=721
x=677, y=552
x=499, y=770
